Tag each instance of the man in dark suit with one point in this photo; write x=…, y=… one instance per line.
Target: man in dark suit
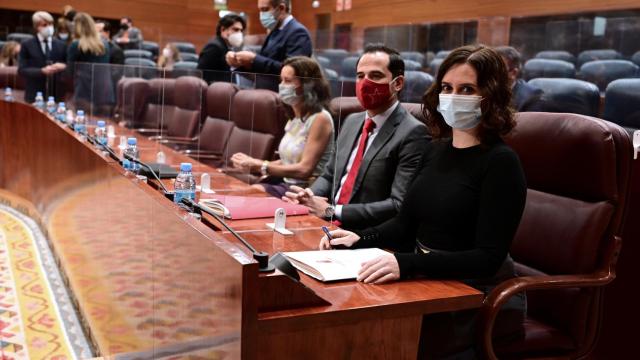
x=378, y=150
x=229, y=35
x=42, y=58
x=524, y=97
x=287, y=37
x=116, y=54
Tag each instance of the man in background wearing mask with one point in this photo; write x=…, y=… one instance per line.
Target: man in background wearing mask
x=129, y=37
x=116, y=55
x=229, y=36
x=378, y=150
x=42, y=58
x=287, y=37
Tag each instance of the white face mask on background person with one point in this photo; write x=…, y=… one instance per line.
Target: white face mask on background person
x=268, y=20
x=47, y=31
x=63, y=36
x=235, y=39
x=288, y=94
x=460, y=111
x=166, y=53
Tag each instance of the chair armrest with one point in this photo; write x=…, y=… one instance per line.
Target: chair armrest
x=507, y=289
x=202, y=154
x=173, y=139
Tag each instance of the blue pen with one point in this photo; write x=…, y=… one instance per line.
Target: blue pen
x=326, y=231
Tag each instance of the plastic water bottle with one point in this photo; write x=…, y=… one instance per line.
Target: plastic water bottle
x=51, y=105
x=131, y=152
x=39, y=104
x=8, y=95
x=185, y=184
x=61, y=112
x=80, y=123
x=101, y=132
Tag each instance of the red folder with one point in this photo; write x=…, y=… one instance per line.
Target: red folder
x=248, y=207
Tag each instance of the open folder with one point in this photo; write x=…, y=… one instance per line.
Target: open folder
x=331, y=265
x=250, y=207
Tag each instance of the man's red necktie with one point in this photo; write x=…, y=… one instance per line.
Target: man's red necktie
x=347, y=187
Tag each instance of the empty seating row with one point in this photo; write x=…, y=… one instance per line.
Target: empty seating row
x=146, y=54
x=599, y=72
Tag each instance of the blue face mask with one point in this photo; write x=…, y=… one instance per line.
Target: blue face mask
x=268, y=20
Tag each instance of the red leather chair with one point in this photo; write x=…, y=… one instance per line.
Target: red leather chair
x=160, y=104
x=217, y=126
x=577, y=169
x=131, y=101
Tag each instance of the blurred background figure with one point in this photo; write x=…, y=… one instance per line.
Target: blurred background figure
x=88, y=59
x=63, y=31
x=229, y=36
x=9, y=54
x=116, y=55
x=169, y=56
x=525, y=97
x=129, y=37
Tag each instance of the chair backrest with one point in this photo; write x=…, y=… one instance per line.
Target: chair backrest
x=189, y=57
x=602, y=72
x=600, y=54
x=635, y=58
x=131, y=100
x=217, y=126
x=413, y=56
x=138, y=61
x=139, y=67
x=416, y=84
x=341, y=107
x=548, y=68
x=442, y=54
x=189, y=95
x=335, y=57
x=569, y=223
x=185, y=47
x=151, y=46
x=161, y=103
x=415, y=109
x=622, y=103
x=185, y=65
x=348, y=69
x=410, y=65
x=556, y=55
x=144, y=54
x=19, y=37
x=323, y=61
x=434, y=65
x=568, y=96
x=259, y=120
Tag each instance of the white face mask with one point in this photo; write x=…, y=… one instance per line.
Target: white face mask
x=47, y=31
x=63, y=36
x=288, y=94
x=460, y=111
x=166, y=53
x=235, y=39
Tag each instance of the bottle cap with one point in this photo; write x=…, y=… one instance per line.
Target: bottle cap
x=132, y=141
x=61, y=104
x=185, y=166
x=51, y=98
x=7, y=89
x=80, y=112
x=39, y=93
x=101, y=123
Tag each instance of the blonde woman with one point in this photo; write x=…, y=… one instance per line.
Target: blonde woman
x=88, y=60
x=170, y=55
x=9, y=54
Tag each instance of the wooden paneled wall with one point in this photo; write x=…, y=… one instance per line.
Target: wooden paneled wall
x=195, y=20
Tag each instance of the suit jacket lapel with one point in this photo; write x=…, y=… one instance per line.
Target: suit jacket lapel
x=378, y=143
x=348, y=143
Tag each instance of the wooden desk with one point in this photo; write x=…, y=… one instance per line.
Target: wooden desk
x=120, y=242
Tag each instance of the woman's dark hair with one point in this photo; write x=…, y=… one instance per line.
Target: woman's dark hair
x=228, y=20
x=316, y=88
x=493, y=84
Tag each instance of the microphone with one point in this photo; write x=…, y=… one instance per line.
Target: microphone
x=277, y=261
x=167, y=193
x=105, y=147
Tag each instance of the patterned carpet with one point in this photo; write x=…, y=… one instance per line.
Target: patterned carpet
x=37, y=320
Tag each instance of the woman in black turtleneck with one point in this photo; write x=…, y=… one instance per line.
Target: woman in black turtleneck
x=461, y=212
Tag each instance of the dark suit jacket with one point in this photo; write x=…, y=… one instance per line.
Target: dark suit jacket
x=32, y=60
x=212, y=61
x=526, y=97
x=292, y=40
x=386, y=170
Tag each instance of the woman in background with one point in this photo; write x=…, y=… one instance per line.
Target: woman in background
x=308, y=141
x=63, y=31
x=169, y=56
x=9, y=54
x=88, y=63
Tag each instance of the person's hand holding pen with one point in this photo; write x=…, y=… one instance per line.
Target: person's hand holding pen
x=337, y=239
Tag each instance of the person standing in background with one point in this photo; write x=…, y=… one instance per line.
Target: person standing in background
x=169, y=56
x=129, y=37
x=116, y=55
x=9, y=54
x=41, y=59
x=287, y=38
x=229, y=36
x=63, y=32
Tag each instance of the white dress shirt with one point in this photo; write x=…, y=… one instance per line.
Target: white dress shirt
x=41, y=40
x=379, y=120
x=285, y=21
